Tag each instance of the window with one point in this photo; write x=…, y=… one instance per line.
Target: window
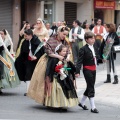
x=49, y=11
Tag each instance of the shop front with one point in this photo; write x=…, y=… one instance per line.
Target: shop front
x=117, y=13
x=104, y=9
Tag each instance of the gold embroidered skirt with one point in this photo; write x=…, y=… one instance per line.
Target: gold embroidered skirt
x=37, y=83
x=58, y=98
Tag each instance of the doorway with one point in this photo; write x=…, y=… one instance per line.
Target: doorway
x=70, y=13
x=98, y=14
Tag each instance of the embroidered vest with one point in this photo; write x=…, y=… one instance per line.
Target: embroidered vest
x=99, y=37
x=78, y=32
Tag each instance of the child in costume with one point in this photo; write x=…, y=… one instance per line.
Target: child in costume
x=60, y=82
x=88, y=58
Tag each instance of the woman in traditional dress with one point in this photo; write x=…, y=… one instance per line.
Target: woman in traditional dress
x=7, y=40
x=40, y=30
x=37, y=85
x=9, y=77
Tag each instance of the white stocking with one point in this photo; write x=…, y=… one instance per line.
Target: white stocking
x=28, y=83
x=92, y=103
x=83, y=100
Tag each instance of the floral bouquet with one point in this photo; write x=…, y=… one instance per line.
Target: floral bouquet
x=60, y=68
x=108, y=44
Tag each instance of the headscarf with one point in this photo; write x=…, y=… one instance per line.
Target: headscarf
x=5, y=48
x=43, y=25
x=45, y=31
x=7, y=37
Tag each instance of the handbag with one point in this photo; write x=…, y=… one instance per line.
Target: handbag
x=116, y=48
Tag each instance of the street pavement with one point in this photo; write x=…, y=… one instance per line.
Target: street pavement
x=15, y=106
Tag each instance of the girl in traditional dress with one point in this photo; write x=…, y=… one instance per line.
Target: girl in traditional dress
x=60, y=81
x=9, y=77
x=37, y=85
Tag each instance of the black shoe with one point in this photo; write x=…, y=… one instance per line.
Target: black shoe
x=115, y=82
x=108, y=79
x=60, y=109
x=84, y=107
x=63, y=110
x=25, y=94
x=94, y=111
x=115, y=79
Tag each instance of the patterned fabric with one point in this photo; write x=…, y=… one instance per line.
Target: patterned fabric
x=19, y=48
x=37, y=84
x=107, y=49
x=8, y=81
x=36, y=89
x=51, y=45
x=58, y=98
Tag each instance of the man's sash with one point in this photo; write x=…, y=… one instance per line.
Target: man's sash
x=39, y=47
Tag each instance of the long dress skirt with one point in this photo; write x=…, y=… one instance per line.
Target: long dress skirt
x=37, y=84
x=60, y=97
x=19, y=48
x=8, y=81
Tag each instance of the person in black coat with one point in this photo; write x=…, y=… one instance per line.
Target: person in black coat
x=88, y=57
x=29, y=56
x=112, y=56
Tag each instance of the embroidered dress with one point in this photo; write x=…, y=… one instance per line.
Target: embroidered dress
x=37, y=84
x=9, y=80
x=62, y=92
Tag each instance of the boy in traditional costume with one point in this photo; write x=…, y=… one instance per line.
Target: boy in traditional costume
x=88, y=58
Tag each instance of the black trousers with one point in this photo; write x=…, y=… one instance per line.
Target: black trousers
x=111, y=63
x=90, y=77
x=97, y=44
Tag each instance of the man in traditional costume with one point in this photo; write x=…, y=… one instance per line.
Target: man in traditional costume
x=76, y=36
x=88, y=58
x=99, y=32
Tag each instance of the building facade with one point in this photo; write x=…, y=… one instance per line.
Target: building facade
x=13, y=12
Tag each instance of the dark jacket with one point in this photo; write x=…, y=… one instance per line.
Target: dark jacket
x=86, y=58
x=24, y=66
x=116, y=42
x=50, y=70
